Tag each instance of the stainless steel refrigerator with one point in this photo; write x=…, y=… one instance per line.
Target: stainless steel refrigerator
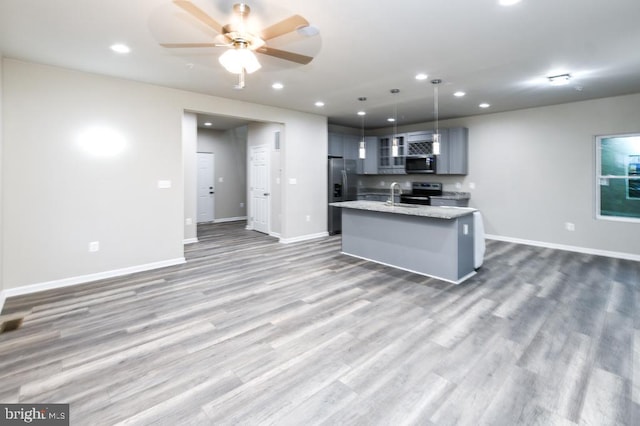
x=342, y=187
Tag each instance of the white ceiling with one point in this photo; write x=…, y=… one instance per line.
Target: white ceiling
x=495, y=54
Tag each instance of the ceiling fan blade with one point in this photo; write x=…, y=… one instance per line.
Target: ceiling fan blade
x=285, y=26
x=199, y=14
x=181, y=45
x=283, y=54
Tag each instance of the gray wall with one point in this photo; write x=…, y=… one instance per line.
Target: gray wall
x=534, y=171
x=57, y=199
x=230, y=156
x=190, y=164
x=1, y=192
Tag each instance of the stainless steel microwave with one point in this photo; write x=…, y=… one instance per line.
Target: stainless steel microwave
x=420, y=164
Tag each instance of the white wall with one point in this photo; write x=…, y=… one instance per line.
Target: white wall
x=57, y=199
x=534, y=171
x=230, y=156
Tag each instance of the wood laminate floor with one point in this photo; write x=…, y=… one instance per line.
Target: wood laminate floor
x=253, y=332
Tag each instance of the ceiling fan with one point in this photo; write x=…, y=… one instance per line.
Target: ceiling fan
x=241, y=41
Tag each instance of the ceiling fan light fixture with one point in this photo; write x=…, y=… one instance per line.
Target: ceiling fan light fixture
x=238, y=59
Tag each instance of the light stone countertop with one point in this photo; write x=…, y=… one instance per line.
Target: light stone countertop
x=440, y=212
x=452, y=195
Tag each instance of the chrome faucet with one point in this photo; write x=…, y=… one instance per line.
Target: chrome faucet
x=392, y=199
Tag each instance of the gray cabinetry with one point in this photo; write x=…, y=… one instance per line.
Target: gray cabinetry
x=336, y=146
x=350, y=144
x=454, y=147
x=369, y=165
x=343, y=145
x=387, y=163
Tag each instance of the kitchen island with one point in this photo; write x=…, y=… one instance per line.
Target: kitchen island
x=428, y=240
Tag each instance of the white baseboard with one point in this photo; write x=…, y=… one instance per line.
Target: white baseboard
x=274, y=234
x=230, y=219
x=82, y=279
x=585, y=250
x=189, y=241
x=304, y=238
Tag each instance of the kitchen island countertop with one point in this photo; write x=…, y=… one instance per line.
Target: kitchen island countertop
x=440, y=212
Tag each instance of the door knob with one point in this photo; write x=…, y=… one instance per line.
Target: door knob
x=211, y=192
x=265, y=194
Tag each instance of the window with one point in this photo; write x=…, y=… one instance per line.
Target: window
x=618, y=177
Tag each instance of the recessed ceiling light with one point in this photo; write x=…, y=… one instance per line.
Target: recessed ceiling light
x=120, y=48
x=319, y=104
x=421, y=76
x=459, y=94
x=559, y=80
x=484, y=105
x=208, y=123
x=277, y=86
x=362, y=113
x=508, y=2
x=391, y=119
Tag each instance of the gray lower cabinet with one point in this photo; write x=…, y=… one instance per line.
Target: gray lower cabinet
x=454, y=152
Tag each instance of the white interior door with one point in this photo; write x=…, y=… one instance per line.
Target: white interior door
x=259, y=188
x=206, y=187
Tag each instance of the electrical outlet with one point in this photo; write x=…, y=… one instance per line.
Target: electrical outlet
x=570, y=226
x=241, y=205
x=220, y=179
x=458, y=185
x=308, y=218
x=472, y=185
x=188, y=221
x=94, y=246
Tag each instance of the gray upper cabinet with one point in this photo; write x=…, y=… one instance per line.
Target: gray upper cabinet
x=369, y=165
x=336, y=146
x=454, y=152
x=343, y=145
x=387, y=163
x=351, y=144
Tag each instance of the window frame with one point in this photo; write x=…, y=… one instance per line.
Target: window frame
x=599, y=178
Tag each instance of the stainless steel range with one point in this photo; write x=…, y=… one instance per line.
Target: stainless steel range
x=421, y=193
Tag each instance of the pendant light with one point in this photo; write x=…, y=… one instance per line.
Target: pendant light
x=362, y=150
x=436, y=134
x=394, y=141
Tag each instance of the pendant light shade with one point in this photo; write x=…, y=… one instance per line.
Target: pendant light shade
x=394, y=141
x=238, y=59
x=436, y=134
x=362, y=148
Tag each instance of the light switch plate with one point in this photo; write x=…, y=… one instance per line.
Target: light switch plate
x=164, y=184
